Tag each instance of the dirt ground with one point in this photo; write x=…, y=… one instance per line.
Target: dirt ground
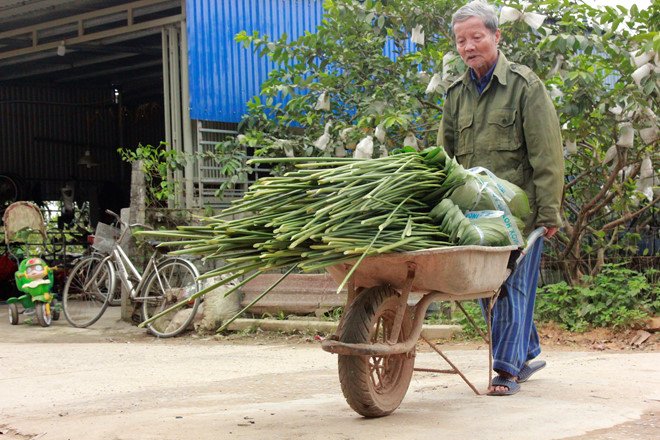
x=113, y=381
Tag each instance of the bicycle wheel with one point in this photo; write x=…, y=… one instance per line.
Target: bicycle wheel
x=87, y=290
x=374, y=386
x=173, y=280
x=115, y=298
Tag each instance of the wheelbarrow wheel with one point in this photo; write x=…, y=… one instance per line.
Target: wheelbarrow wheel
x=43, y=317
x=374, y=386
x=13, y=314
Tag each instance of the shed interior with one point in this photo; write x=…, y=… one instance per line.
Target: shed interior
x=78, y=80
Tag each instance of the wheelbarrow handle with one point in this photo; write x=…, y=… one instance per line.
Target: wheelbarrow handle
x=535, y=235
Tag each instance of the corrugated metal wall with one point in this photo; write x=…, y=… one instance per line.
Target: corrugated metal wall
x=45, y=131
x=224, y=75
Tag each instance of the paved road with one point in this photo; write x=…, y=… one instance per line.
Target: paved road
x=113, y=382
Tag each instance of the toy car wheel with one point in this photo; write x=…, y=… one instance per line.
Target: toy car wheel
x=13, y=314
x=55, y=309
x=43, y=315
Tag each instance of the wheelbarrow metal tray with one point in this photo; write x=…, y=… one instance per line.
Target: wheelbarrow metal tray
x=454, y=270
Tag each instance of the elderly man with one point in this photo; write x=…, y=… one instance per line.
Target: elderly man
x=498, y=115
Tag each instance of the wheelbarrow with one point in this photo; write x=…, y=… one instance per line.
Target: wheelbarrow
x=376, y=338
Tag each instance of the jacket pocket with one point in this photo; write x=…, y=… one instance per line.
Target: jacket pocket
x=465, y=135
x=502, y=130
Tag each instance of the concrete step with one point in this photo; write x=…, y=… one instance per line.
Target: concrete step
x=312, y=325
x=297, y=293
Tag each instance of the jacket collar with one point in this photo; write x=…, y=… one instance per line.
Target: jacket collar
x=500, y=71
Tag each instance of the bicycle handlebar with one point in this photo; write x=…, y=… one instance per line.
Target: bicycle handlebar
x=116, y=216
x=129, y=225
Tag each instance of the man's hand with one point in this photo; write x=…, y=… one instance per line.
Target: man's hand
x=550, y=231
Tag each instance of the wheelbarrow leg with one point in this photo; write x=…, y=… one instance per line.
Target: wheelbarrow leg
x=453, y=370
x=486, y=338
x=489, y=314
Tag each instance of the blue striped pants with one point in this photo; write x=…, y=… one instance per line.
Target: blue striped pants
x=514, y=335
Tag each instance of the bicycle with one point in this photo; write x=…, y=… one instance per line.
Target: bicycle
x=166, y=281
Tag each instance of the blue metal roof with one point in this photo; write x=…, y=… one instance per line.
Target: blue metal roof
x=224, y=76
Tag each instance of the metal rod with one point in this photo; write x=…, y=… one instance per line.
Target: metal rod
x=167, y=99
x=465, y=379
x=105, y=15
x=403, y=303
x=433, y=370
x=476, y=327
x=332, y=345
x=177, y=122
x=152, y=24
x=188, y=148
x=491, y=304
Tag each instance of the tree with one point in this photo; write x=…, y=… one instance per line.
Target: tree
x=610, y=129
x=376, y=72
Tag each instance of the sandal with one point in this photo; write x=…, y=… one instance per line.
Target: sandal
x=502, y=381
x=529, y=369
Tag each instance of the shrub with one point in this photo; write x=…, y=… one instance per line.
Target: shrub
x=616, y=297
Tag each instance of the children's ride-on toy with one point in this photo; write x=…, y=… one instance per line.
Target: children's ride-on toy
x=35, y=279
x=24, y=224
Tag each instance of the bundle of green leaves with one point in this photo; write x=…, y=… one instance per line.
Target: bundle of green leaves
x=479, y=208
x=336, y=210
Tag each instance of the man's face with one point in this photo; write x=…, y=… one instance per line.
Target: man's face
x=476, y=44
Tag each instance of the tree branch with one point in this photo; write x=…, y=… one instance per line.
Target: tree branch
x=611, y=196
x=606, y=187
x=429, y=104
x=578, y=178
x=631, y=216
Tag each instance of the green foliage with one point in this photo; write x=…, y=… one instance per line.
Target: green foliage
x=345, y=63
x=231, y=157
x=280, y=316
x=472, y=309
x=157, y=164
x=251, y=330
x=603, y=196
x=359, y=75
x=617, y=297
x=334, y=315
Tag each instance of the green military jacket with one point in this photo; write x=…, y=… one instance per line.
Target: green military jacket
x=511, y=129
